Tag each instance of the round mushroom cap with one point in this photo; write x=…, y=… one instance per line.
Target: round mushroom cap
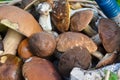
x=23, y=50
x=39, y=69
x=76, y=57
x=42, y=44
x=10, y=67
x=109, y=33
x=69, y=40
x=80, y=20
x=19, y=20
x=61, y=15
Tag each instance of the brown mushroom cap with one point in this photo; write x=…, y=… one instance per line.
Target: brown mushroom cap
x=61, y=15
x=23, y=50
x=42, y=44
x=80, y=20
x=10, y=67
x=76, y=57
x=69, y=40
x=109, y=33
x=39, y=69
x=25, y=22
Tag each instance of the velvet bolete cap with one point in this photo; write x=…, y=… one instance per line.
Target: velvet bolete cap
x=10, y=67
x=76, y=57
x=109, y=33
x=61, y=15
x=68, y=40
x=39, y=69
x=80, y=20
x=42, y=44
x=19, y=20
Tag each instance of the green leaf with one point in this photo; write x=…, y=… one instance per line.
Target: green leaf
x=113, y=76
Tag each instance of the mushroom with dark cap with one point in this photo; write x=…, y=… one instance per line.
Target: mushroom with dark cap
x=76, y=57
x=42, y=44
x=36, y=68
x=15, y=19
x=10, y=67
x=61, y=15
x=23, y=50
x=69, y=40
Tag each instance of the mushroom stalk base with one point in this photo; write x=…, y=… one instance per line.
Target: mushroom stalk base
x=11, y=42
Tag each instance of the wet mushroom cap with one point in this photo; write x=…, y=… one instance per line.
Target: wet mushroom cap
x=61, y=15
x=42, y=44
x=76, y=57
x=10, y=67
x=23, y=50
x=69, y=40
x=109, y=33
x=22, y=21
x=39, y=69
x=80, y=20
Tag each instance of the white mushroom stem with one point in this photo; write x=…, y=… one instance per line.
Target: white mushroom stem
x=11, y=42
x=107, y=75
x=44, y=20
x=98, y=55
x=96, y=39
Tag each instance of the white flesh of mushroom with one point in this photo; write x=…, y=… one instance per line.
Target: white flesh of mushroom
x=44, y=20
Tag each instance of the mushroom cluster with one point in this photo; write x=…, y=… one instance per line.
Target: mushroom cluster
x=46, y=39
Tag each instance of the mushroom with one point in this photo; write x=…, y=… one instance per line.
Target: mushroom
x=69, y=40
x=75, y=57
x=15, y=19
x=44, y=9
x=10, y=67
x=42, y=44
x=61, y=15
x=36, y=68
x=23, y=50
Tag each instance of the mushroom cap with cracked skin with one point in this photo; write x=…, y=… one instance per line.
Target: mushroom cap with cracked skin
x=42, y=44
x=61, y=15
x=19, y=20
x=10, y=67
x=23, y=50
x=69, y=40
x=76, y=57
x=109, y=33
x=80, y=20
x=36, y=68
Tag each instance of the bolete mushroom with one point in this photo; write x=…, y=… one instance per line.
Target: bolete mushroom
x=10, y=67
x=69, y=40
x=61, y=15
x=42, y=44
x=36, y=68
x=15, y=19
x=75, y=57
x=23, y=50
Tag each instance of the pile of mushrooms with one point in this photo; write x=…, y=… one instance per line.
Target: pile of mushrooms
x=46, y=39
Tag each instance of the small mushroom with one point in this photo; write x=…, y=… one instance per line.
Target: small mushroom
x=61, y=15
x=39, y=69
x=68, y=40
x=10, y=67
x=42, y=44
x=80, y=20
x=44, y=9
x=23, y=50
x=76, y=57
x=15, y=19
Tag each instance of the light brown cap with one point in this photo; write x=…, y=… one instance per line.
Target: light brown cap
x=39, y=69
x=19, y=20
x=61, y=15
x=69, y=40
x=109, y=33
x=80, y=20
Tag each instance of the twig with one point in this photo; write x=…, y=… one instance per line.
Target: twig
x=9, y=2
